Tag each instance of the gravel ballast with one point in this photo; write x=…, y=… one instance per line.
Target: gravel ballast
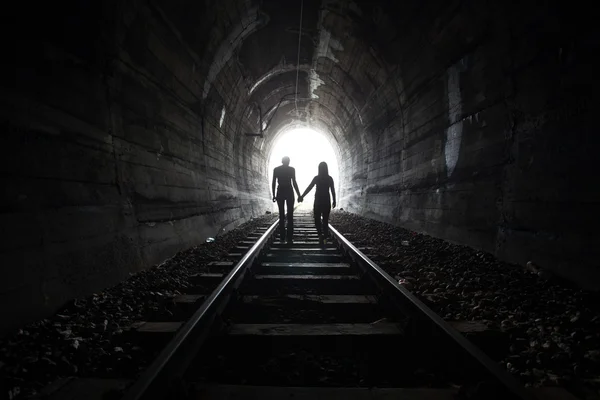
x=553, y=328
x=86, y=337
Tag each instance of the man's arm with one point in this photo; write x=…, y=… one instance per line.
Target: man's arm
x=295, y=183
x=274, y=180
x=333, y=192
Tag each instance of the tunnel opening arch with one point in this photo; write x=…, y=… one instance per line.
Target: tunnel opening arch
x=307, y=144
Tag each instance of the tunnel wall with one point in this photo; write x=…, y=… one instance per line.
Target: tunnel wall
x=110, y=160
x=483, y=134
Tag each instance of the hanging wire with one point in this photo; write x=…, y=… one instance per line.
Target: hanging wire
x=298, y=62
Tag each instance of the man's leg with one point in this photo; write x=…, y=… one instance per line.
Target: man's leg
x=281, y=203
x=326, y=211
x=290, y=217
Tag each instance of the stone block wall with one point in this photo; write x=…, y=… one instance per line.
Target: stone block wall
x=492, y=143
x=111, y=161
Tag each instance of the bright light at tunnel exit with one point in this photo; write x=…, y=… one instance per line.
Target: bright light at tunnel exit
x=306, y=149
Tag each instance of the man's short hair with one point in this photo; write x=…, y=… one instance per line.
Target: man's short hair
x=285, y=160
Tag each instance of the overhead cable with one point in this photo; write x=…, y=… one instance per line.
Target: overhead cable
x=298, y=62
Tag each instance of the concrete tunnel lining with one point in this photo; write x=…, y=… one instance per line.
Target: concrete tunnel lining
x=117, y=156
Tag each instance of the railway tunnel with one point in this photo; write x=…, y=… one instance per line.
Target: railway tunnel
x=136, y=129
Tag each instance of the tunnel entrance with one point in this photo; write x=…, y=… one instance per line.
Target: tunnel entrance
x=306, y=149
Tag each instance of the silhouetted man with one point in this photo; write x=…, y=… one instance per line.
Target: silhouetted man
x=286, y=175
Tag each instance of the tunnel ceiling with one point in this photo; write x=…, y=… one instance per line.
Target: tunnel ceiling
x=338, y=64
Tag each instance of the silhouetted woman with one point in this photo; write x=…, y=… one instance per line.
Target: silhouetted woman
x=322, y=206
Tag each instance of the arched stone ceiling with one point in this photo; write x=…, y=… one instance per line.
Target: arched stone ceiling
x=337, y=69
x=255, y=45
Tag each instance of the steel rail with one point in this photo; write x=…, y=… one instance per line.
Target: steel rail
x=158, y=379
x=374, y=271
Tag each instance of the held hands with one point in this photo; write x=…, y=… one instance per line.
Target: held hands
x=333, y=205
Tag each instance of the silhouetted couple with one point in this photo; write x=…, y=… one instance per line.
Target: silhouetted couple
x=286, y=176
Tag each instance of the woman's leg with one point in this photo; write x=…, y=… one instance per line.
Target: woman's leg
x=326, y=210
x=317, y=214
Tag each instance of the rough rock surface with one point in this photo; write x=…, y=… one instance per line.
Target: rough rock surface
x=86, y=338
x=554, y=328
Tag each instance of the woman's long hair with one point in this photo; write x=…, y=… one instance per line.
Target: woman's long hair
x=323, y=170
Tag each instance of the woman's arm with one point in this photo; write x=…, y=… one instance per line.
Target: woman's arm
x=332, y=191
x=273, y=185
x=309, y=188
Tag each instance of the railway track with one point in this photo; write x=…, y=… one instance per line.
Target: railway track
x=305, y=321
